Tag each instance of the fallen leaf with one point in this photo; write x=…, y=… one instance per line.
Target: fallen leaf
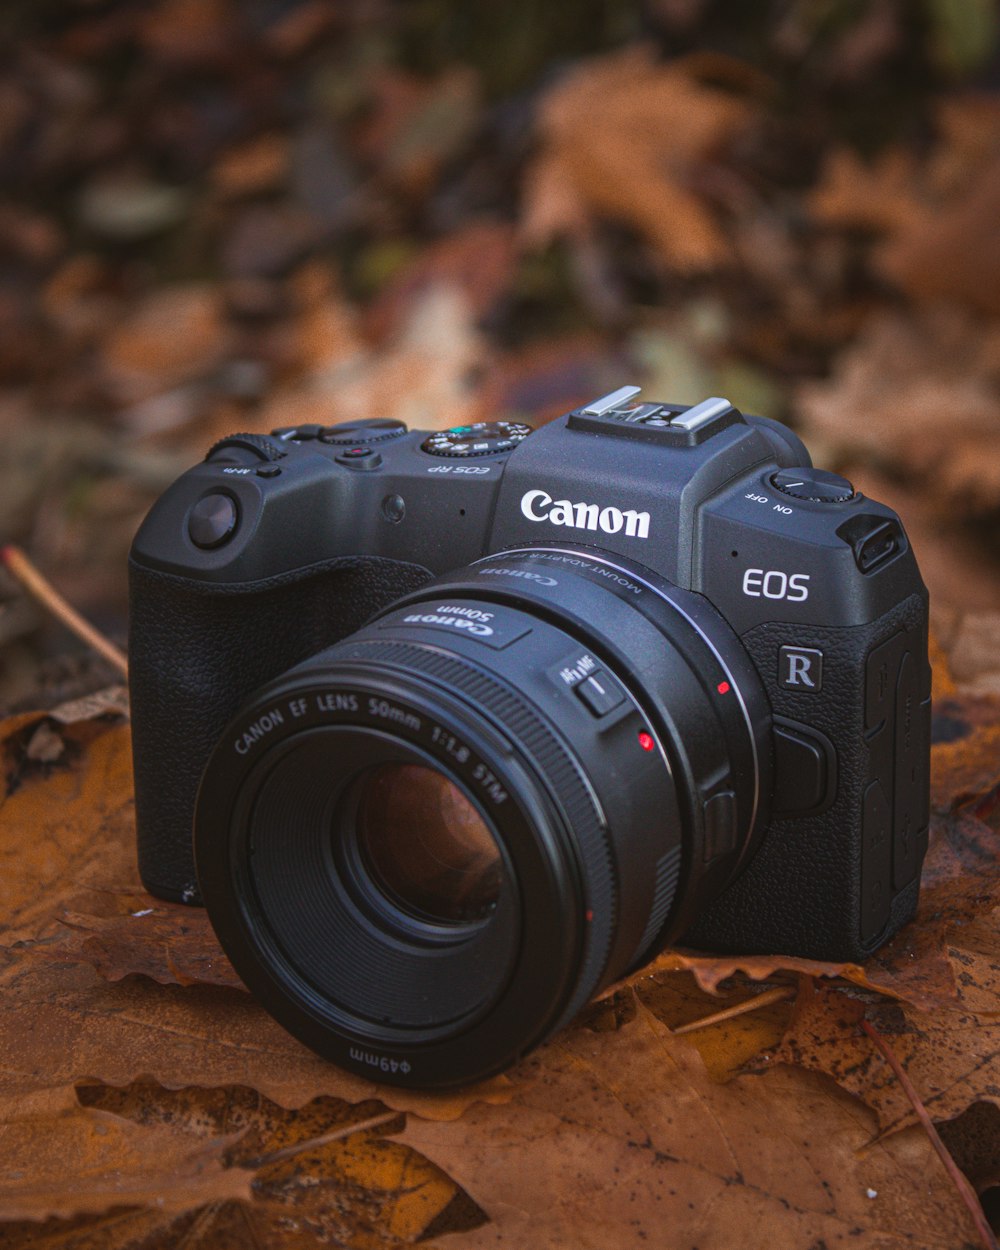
x=886, y=395
x=478, y=261
x=621, y=140
x=614, y=1137
x=261, y=164
x=166, y=942
x=426, y=376
x=60, y=1158
x=951, y=1055
x=66, y=850
x=173, y=336
x=414, y=125
x=189, y=32
x=973, y=1141
x=935, y=215
x=69, y=850
x=975, y=652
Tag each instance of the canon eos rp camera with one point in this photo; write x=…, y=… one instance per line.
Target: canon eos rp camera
x=469, y=724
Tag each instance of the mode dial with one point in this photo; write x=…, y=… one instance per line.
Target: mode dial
x=485, y=438
x=814, y=484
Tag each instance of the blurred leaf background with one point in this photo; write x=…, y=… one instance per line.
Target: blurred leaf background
x=219, y=215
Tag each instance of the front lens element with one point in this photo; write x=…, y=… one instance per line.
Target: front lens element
x=425, y=846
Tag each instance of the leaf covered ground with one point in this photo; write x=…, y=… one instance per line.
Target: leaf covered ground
x=219, y=216
x=145, y=1099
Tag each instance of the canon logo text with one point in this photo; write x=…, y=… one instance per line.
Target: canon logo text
x=538, y=505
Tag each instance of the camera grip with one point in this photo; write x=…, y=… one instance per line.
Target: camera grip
x=197, y=650
x=808, y=889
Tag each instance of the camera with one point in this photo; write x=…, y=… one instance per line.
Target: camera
x=468, y=724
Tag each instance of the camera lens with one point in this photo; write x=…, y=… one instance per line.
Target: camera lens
x=427, y=847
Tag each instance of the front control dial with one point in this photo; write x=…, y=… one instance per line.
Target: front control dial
x=815, y=484
x=369, y=430
x=485, y=438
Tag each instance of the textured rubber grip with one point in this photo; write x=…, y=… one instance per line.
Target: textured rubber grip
x=196, y=652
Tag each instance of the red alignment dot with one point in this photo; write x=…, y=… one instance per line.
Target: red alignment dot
x=646, y=741
x=723, y=687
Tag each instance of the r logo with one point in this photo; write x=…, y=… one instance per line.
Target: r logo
x=800, y=668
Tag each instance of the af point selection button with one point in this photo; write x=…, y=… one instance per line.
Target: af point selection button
x=212, y=521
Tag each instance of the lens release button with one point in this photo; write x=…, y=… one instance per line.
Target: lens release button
x=212, y=521
x=720, y=824
x=600, y=693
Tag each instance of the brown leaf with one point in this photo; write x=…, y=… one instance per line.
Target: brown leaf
x=877, y=195
x=622, y=139
x=175, y=335
x=64, y=847
x=615, y=1137
x=477, y=260
x=426, y=377
x=189, y=32
x=414, y=125
x=167, y=942
x=69, y=850
x=950, y=1055
x=952, y=252
x=261, y=164
x=192, y=1164
x=59, y=1158
x=937, y=214
x=888, y=390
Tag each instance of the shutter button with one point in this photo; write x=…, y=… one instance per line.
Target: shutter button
x=212, y=521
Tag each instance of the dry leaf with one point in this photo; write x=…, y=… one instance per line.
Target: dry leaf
x=259, y=165
x=58, y=1158
x=615, y=1137
x=167, y=942
x=887, y=394
x=477, y=260
x=622, y=139
x=952, y=1056
x=68, y=850
x=604, y=1134
x=175, y=335
x=937, y=214
x=426, y=377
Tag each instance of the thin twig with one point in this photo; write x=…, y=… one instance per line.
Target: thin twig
x=337, y=1134
x=19, y=566
x=777, y=995
x=958, y=1177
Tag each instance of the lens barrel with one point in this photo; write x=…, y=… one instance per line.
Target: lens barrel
x=427, y=847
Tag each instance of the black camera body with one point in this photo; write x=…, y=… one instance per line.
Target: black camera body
x=695, y=665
